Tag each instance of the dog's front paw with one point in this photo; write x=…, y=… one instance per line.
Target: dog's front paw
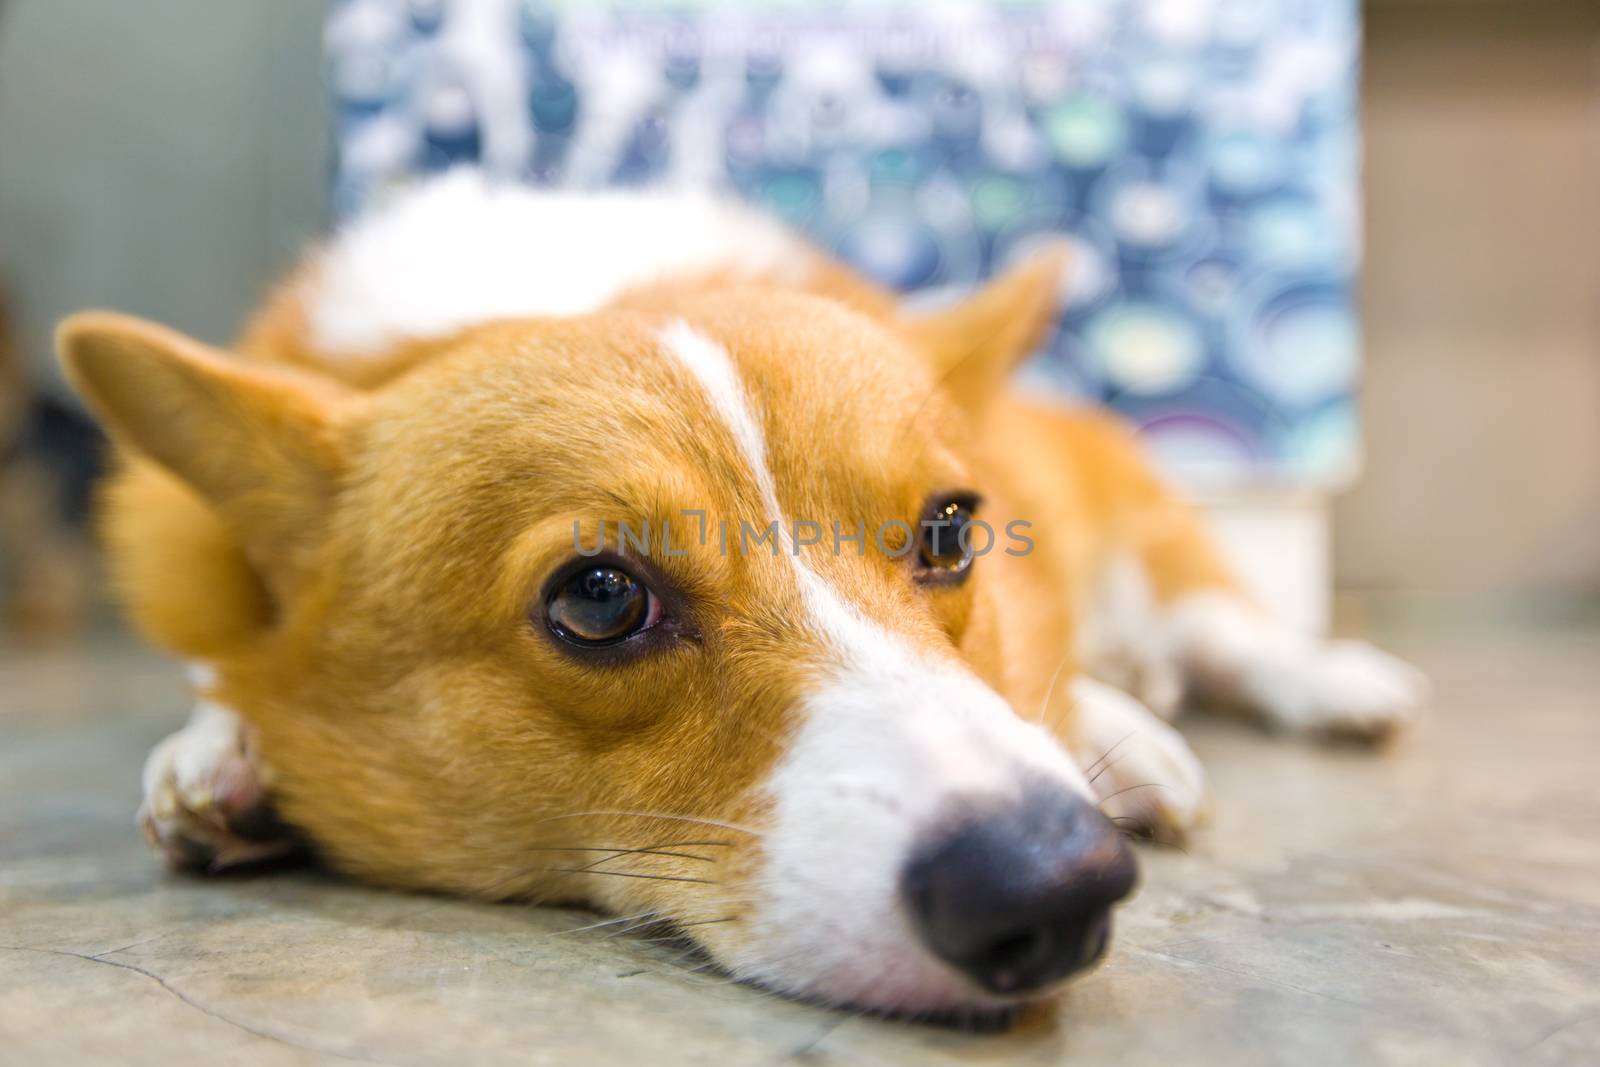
x=1338, y=689
x=206, y=805
x=1147, y=778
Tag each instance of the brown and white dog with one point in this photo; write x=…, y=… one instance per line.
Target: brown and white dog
x=850, y=761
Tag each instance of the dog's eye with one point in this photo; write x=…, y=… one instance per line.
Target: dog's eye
x=944, y=548
x=601, y=605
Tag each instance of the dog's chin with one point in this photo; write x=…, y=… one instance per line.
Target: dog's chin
x=911, y=985
x=940, y=1001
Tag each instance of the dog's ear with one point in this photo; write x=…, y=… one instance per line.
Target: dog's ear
x=974, y=345
x=258, y=446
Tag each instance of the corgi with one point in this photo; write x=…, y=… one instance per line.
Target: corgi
x=624, y=550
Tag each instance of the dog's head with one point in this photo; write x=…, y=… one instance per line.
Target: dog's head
x=791, y=744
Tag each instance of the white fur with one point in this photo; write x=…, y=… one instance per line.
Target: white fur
x=461, y=250
x=1122, y=641
x=179, y=770
x=1233, y=654
x=709, y=363
x=180, y=784
x=1216, y=648
x=891, y=743
x=1140, y=767
x=202, y=676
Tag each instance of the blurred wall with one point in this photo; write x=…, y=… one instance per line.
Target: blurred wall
x=165, y=157
x=1482, y=301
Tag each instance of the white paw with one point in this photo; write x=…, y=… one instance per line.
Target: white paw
x=1341, y=688
x=1148, y=780
x=205, y=796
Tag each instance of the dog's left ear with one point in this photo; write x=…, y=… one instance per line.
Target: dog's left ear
x=974, y=345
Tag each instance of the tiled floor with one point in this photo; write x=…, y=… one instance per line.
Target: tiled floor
x=1438, y=905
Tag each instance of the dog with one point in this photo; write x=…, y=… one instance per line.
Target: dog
x=586, y=548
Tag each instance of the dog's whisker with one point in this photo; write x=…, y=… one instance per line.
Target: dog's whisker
x=628, y=852
x=706, y=966
x=631, y=874
x=672, y=931
x=1139, y=829
x=1044, y=705
x=618, y=853
x=620, y=813
x=524, y=872
x=595, y=865
x=1107, y=753
x=665, y=939
x=648, y=922
x=602, y=924
x=658, y=850
x=1143, y=830
x=1095, y=776
x=1131, y=788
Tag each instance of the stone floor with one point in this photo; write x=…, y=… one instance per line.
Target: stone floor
x=1436, y=905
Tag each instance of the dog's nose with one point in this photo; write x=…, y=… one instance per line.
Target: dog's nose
x=1020, y=898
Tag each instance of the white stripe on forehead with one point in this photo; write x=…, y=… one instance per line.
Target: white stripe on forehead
x=836, y=619
x=711, y=365
x=850, y=633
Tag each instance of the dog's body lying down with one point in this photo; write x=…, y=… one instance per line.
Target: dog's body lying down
x=848, y=759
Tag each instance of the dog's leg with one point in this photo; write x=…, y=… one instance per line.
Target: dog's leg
x=1234, y=658
x=206, y=805
x=1169, y=624
x=1141, y=769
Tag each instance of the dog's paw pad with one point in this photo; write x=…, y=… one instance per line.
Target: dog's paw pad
x=206, y=805
x=1148, y=780
x=1342, y=689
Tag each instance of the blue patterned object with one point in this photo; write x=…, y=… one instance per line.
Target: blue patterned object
x=1200, y=154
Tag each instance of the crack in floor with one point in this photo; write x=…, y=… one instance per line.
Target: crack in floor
x=185, y=999
x=804, y=1050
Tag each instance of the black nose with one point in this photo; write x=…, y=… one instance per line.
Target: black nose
x=1019, y=898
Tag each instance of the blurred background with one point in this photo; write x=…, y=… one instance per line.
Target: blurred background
x=1341, y=265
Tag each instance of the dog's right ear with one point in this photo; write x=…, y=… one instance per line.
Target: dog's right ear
x=259, y=446
x=976, y=344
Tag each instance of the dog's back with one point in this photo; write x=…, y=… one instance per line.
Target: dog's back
x=461, y=251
